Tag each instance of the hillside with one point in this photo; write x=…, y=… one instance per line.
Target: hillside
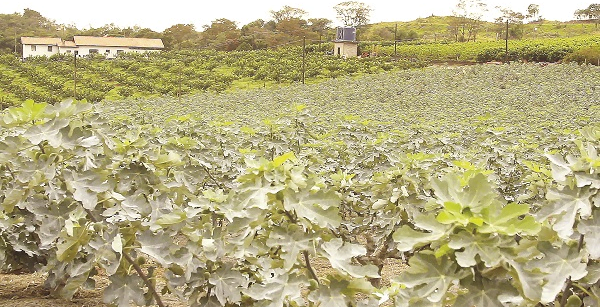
x=439, y=28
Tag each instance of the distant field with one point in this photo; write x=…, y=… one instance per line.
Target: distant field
x=448, y=96
x=191, y=72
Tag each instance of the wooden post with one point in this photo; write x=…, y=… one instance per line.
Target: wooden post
x=506, y=50
x=396, y=40
x=74, y=76
x=304, y=60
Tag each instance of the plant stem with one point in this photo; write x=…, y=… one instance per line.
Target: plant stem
x=137, y=268
x=563, y=299
x=145, y=278
x=311, y=271
x=219, y=184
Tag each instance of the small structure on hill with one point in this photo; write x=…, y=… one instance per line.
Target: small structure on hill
x=110, y=47
x=345, y=44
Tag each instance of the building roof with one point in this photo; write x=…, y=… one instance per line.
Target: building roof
x=41, y=41
x=68, y=44
x=153, y=43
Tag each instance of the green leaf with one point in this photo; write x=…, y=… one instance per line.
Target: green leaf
x=256, y=194
x=280, y=290
x=157, y=245
x=49, y=131
x=340, y=256
x=507, y=220
x=123, y=290
x=28, y=112
x=487, y=247
x=317, y=207
x=278, y=161
x=485, y=293
x=228, y=285
x=407, y=239
x=565, y=205
x=292, y=241
x=591, y=230
x=68, y=248
x=430, y=277
x=331, y=295
x=558, y=264
x=478, y=193
x=171, y=218
x=453, y=214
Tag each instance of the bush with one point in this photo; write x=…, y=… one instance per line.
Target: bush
x=587, y=55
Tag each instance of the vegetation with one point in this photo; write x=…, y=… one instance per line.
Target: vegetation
x=587, y=55
x=172, y=73
x=288, y=26
x=483, y=178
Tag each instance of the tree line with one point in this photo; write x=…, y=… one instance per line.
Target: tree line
x=288, y=25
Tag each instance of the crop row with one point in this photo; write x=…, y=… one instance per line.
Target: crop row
x=172, y=74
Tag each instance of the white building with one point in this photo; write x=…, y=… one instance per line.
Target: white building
x=85, y=45
x=345, y=44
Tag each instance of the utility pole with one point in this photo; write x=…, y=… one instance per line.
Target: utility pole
x=506, y=50
x=179, y=86
x=396, y=41
x=320, y=39
x=303, y=60
x=74, y=76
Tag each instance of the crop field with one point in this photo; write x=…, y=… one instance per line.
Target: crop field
x=481, y=182
x=181, y=73
x=172, y=73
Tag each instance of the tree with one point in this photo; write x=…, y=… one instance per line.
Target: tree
x=319, y=25
x=288, y=13
x=533, y=11
x=222, y=34
x=515, y=20
x=592, y=12
x=353, y=13
x=468, y=21
x=181, y=36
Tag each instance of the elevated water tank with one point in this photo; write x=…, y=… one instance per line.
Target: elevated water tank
x=347, y=34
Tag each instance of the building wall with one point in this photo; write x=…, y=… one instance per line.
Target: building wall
x=40, y=50
x=345, y=49
x=109, y=52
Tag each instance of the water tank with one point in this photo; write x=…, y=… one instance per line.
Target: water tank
x=346, y=34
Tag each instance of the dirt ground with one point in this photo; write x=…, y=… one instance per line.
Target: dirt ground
x=27, y=290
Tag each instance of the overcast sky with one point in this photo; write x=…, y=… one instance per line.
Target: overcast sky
x=159, y=15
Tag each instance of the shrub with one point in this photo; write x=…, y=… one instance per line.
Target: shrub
x=587, y=55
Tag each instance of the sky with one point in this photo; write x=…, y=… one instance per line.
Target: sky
x=159, y=15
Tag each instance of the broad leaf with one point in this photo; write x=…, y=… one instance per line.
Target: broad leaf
x=429, y=277
x=558, y=264
x=565, y=205
x=340, y=256
x=228, y=285
x=591, y=230
x=317, y=207
x=407, y=239
x=123, y=290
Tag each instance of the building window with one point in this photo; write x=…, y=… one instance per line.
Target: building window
x=107, y=51
x=120, y=51
x=32, y=47
x=68, y=51
x=49, y=48
x=92, y=51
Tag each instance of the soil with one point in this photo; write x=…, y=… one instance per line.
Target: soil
x=27, y=290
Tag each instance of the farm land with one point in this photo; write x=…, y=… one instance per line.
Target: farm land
x=434, y=186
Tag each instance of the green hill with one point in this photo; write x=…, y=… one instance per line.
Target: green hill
x=440, y=29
